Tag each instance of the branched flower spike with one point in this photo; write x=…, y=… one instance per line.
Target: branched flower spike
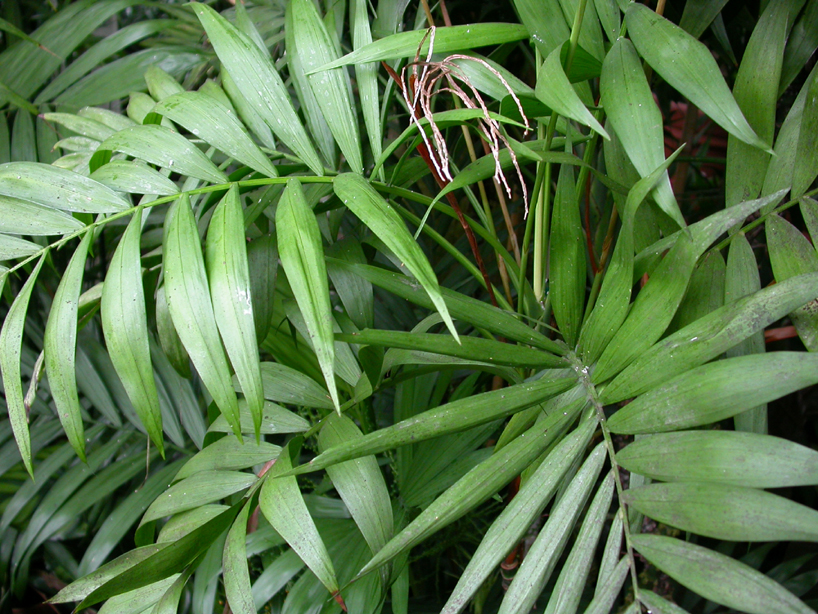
x=423, y=84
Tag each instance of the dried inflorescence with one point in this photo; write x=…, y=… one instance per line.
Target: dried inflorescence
x=427, y=78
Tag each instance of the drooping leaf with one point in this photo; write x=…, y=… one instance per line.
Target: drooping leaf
x=60, y=346
x=125, y=325
x=11, y=339
x=134, y=178
x=237, y=586
x=199, y=489
x=229, y=454
x=302, y=256
x=191, y=310
x=379, y=216
x=229, y=277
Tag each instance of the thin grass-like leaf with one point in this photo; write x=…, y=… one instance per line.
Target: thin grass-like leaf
x=60, y=346
x=331, y=87
x=229, y=277
x=274, y=420
x=11, y=340
x=191, y=310
x=229, y=454
x=134, y=178
x=302, y=256
x=237, y=588
x=125, y=325
x=197, y=490
x=717, y=577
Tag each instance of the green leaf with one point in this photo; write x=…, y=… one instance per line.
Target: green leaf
x=723, y=457
x=469, y=348
x=567, y=252
x=11, y=340
x=283, y=506
x=229, y=453
x=658, y=604
x=717, y=577
x=262, y=261
x=366, y=76
x=791, y=253
x=199, y=489
x=125, y=325
x=613, y=301
x=516, y=518
x=360, y=483
x=806, y=161
x=688, y=65
x=604, y=599
x=274, y=420
x=801, y=44
x=165, y=562
x=160, y=84
x=452, y=417
x=13, y=247
x=23, y=217
x=542, y=557
x=545, y=23
x=716, y=391
x=446, y=40
x=724, y=511
x=191, y=309
x=229, y=278
x=208, y=119
x=571, y=582
x=331, y=87
x=237, y=587
x=134, y=178
x=166, y=148
x=658, y=300
x=258, y=82
x=172, y=347
x=60, y=346
x=81, y=125
x=637, y=121
x=379, y=216
x=756, y=92
x=555, y=91
x=710, y=336
x=475, y=487
x=302, y=256
x=284, y=384
x=58, y=188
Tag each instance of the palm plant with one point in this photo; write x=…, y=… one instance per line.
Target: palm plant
x=302, y=407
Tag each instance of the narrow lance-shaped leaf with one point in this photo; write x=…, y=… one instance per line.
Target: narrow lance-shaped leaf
x=379, y=216
x=229, y=276
x=211, y=121
x=191, y=310
x=360, y=484
x=756, y=92
x=284, y=507
x=125, y=326
x=517, y=516
x=60, y=346
x=542, y=557
x=367, y=77
x=725, y=457
x=716, y=391
x=447, y=40
x=11, y=340
x=237, y=586
x=302, y=256
x=331, y=87
x=688, y=65
x=717, y=577
x=632, y=112
x=259, y=83
x=806, y=159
